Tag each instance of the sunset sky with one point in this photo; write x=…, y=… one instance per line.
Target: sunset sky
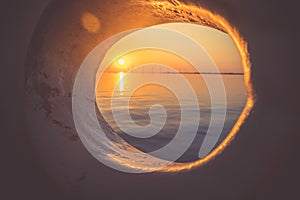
x=218, y=45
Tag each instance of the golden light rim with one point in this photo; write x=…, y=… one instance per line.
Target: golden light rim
x=241, y=45
x=243, y=50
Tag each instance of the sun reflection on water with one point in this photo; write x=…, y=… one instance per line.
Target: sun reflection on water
x=121, y=83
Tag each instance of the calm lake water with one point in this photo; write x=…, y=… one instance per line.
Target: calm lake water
x=144, y=97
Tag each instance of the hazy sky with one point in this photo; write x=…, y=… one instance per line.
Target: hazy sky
x=218, y=45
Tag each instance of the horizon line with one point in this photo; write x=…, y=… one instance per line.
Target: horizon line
x=222, y=73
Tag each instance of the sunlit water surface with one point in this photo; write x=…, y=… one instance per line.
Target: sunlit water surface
x=148, y=95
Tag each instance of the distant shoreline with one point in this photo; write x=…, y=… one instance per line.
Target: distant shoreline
x=213, y=73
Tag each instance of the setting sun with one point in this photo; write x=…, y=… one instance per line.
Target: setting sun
x=121, y=62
